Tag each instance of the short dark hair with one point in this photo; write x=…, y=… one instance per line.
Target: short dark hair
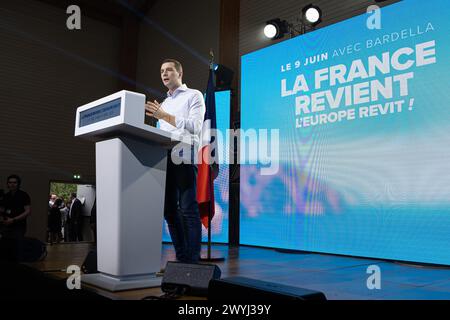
x=177, y=64
x=73, y=194
x=15, y=176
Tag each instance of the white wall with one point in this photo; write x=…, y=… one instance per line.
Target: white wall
x=86, y=192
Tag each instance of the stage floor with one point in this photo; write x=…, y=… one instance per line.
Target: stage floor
x=338, y=277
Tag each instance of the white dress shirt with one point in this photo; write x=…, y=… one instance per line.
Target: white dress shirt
x=188, y=107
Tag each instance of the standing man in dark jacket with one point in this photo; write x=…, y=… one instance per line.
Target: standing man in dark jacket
x=75, y=219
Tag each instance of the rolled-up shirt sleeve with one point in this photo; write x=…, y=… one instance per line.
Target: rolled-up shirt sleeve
x=194, y=122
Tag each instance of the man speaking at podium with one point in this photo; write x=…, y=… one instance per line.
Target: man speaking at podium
x=182, y=113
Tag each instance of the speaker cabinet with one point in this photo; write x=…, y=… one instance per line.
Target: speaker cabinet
x=190, y=279
x=246, y=289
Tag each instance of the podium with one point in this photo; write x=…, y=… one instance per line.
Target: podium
x=131, y=162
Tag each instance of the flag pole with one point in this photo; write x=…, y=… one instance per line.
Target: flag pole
x=208, y=257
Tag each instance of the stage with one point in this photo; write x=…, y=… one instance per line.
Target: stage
x=338, y=277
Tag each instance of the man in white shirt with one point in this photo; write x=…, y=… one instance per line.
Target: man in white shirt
x=181, y=113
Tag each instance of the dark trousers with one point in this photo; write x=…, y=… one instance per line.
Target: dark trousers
x=181, y=211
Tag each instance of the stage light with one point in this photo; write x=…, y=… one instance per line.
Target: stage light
x=276, y=28
x=312, y=14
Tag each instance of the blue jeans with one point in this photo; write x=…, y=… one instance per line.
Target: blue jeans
x=181, y=211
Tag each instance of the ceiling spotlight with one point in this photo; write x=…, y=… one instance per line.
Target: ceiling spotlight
x=312, y=14
x=276, y=28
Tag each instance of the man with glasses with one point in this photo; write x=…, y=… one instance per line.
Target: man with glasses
x=16, y=209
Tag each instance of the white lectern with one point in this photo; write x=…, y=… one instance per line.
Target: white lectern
x=131, y=160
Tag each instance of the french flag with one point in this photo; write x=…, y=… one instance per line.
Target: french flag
x=207, y=168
